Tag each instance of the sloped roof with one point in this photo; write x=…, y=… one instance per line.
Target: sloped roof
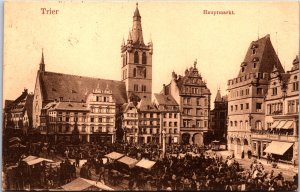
x=165, y=99
x=125, y=106
x=68, y=106
x=265, y=57
x=77, y=88
x=218, y=96
x=146, y=105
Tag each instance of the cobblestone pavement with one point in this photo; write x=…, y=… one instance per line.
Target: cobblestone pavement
x=287, y=170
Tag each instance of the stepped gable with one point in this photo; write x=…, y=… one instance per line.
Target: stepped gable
x=77, y=88
x=265, y=57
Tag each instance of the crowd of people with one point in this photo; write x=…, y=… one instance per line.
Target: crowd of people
x=182, y=167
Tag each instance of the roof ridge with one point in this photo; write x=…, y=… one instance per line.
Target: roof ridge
x=82, y=76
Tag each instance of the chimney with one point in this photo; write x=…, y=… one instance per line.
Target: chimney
x=164, y=89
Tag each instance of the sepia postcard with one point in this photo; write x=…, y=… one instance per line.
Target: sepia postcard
x=150, y=96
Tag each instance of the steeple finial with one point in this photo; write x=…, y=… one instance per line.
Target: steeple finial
x=42, y=63
x=195, y=63
x=42, y=59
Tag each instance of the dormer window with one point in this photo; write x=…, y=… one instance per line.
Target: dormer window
x=243, y=69
x=253, y=51
x=254, y=65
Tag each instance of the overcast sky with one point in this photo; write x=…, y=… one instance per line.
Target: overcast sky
x=84, y=38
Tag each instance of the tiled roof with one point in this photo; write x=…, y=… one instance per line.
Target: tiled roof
x=146, y=105
x=67, y=106
x=165, y=99
x=265, y=57
x=77, y=88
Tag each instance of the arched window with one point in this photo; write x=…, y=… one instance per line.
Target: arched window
x=144, y=58
x=145, y=73
x=231, y=123
x=235, y=124
x=246, y=125
x=134, y=72
x=241, y=124
x=136, y=57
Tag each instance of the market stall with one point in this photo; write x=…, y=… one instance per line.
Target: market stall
x=81, y=184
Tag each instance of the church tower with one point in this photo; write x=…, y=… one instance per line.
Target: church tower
x=137, y=62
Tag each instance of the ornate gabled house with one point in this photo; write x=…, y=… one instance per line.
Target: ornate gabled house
x=137, y=62
x=280, y=136
x=191, y=93
x=246, y=109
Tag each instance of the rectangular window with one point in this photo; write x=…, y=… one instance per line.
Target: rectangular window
x=170, y=115
x=231, y=107
x=175, y=124
x=205, y=123
x=274, y=91
x=247, y=91
x=242, y=106
x=136, y=87
x=92, y=119
x=236, y=107
x=295, y=86
x=258, y=107
x=259, y=91
x=247, y=105
x=175, y=115
x=198, y=101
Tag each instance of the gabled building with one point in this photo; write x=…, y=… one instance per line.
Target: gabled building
x=130, y=122
x=246, y=109
x=218, y=118
x=193, y=96
x=18, y=113
x=169, y=117
x=279, y=137
x=149, y=122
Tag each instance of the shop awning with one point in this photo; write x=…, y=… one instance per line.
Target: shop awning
x=144, y=163
x=288, y=125
x=81, y=184
x=114, y=155
x=280, y=125
x=274, y=125
x=278, y=148
x=128, y=161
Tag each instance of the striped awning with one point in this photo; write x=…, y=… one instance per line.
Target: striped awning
x=275, y=123
x=280, y=125
x=278, y=148
x=288, y=125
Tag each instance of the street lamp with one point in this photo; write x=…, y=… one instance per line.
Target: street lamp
x=164, y=142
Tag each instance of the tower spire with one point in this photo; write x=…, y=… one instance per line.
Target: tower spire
x=42, y=63
x=137, y=33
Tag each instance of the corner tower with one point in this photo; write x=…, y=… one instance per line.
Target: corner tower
x=137, y=62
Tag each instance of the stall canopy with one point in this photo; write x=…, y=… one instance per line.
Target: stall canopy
x=144, y=163
x=278, y=148
x=31, y=160
x=128, y=161
x=81, y=184
x=114, y=155
x=14, y=139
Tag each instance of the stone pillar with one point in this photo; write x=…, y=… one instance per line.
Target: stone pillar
x=164, y=143
x=191, y=139
x=88, y=138
x=235, y=149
